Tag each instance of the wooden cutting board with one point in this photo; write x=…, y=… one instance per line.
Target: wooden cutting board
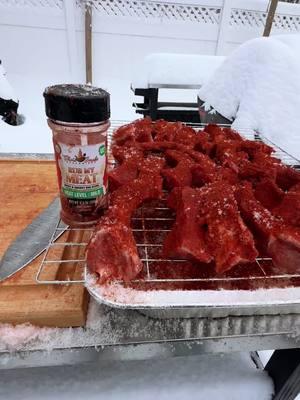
x=27, y=187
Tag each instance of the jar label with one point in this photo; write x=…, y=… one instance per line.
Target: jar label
x=82, y=172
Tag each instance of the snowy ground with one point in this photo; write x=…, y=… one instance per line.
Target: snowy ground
x=230, y=377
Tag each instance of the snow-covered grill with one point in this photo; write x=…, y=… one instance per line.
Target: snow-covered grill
x=183, y=289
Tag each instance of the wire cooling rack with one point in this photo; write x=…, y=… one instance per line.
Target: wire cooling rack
x=150, y=224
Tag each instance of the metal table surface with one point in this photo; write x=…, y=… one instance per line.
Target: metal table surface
x=126, y=335
x=115, y=334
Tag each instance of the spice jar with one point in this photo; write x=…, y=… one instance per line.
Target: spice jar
x=79, y=118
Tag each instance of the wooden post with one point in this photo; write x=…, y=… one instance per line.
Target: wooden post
x=88, y=44
x=270, y=17
x=70, y=9
x=223, y=27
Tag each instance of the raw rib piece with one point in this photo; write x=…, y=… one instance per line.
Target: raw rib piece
x=230, y=240
x=295, y=188
x=173, y=157
x=186, y=136
x=260, y=220
x=187, y=238
x=289, y=208
x=216, y=133
x=132, y=163
x=281, y=242
x=152, y=165
x=284, y=248
x=137, y=131
x=200, y=158
x=124, y=134
x=159, y=126
x=158, y=147
x=125, y=173
x=176, y=132
x=255, y=172
x=165, y=132
x=179, y=176
x=203, y=173
x=268, y=193
x=130, y=159
x=286, y=176
x=232, y=134
x=112, y=251
x=190, y=167
x=228, y=175
x=203, y=144
x=252, y=147
x=208, y=172
x=123, y=153
x=127, y=198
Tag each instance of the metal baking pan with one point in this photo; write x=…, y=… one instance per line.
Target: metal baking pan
x=192, y=304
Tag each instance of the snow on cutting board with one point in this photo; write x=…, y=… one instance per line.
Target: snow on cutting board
x=259, y=86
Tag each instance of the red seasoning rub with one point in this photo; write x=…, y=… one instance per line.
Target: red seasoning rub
x=187, y=237
x=230, y=241
x=112, y=251
x=232, y=198
x=79, y=118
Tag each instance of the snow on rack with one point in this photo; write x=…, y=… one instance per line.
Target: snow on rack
x=258, y=86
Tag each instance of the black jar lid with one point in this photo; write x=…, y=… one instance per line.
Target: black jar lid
x=77, y=103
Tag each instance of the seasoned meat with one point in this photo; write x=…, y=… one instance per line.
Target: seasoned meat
x=187, y=237
x=230, y=241
x=233, y=199
x=112, y=251
x=268, y=193
x=137, y=131
x=289, y=208
x=280, y=241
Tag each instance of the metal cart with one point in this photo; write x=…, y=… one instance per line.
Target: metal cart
x=128, y=334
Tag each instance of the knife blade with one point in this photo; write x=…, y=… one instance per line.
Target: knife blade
x=32, y=241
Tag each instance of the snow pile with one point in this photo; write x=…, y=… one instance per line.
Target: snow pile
x=6, y=91
x=176, y=69
x=259, y=86
x=231, y=376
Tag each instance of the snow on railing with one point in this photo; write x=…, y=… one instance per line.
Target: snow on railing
x=252, y=18
x=157, y=9
x=246, y=14
x=205, y=12
x=33, y=3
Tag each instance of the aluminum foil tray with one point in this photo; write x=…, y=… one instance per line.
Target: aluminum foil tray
x=181, y=289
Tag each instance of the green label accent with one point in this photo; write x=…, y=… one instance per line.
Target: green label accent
x=102, y=150
x=78, y=194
